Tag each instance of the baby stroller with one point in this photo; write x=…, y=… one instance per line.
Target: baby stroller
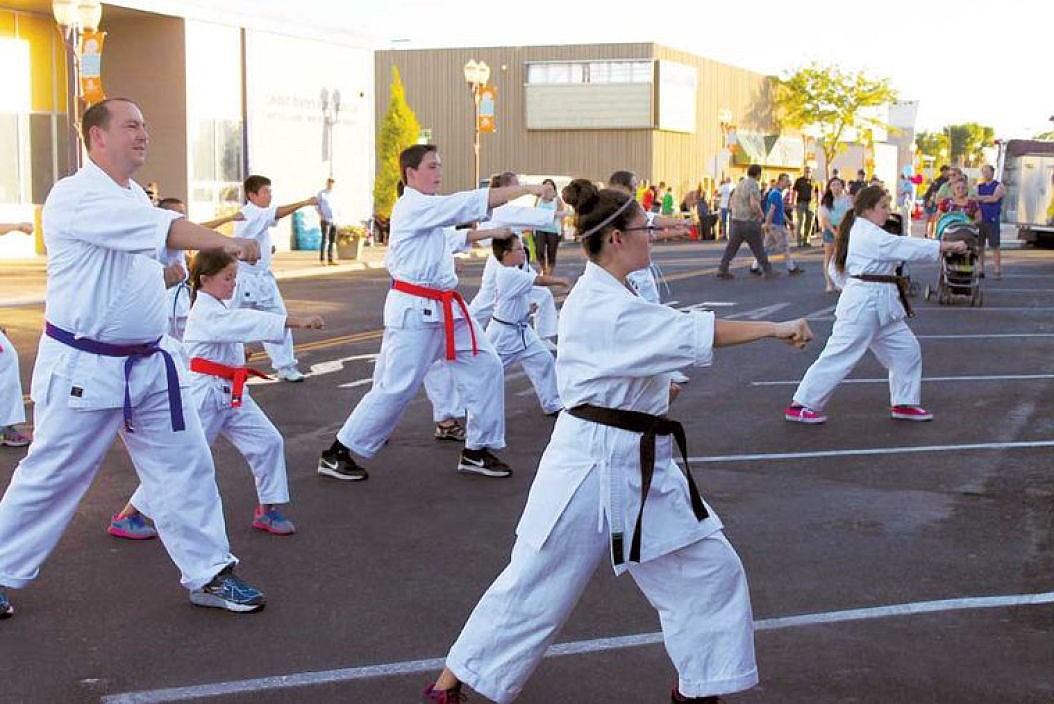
x=895, y=226
x=957, y=274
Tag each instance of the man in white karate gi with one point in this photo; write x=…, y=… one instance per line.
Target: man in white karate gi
x=105, y=366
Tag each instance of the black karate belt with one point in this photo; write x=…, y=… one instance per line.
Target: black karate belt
x=901, y=282
x=650, y=426
x=522, y=327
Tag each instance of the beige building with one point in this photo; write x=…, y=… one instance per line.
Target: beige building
x=589, y=110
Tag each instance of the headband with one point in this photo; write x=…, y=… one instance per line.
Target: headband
x=609, y=219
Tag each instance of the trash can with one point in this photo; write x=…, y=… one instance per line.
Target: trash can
x=307, y=230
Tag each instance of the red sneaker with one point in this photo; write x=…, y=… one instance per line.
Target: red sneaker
x=910, y=413
x=803, y=414
x=432, y=695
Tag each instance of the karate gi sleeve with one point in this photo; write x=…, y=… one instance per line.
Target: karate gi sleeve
x=897, y=248
x=512, y=281
x=521, y=216
x=117, y=223
x=222, y=324
x=456, y=240
x=645, y=339
x=418, y=214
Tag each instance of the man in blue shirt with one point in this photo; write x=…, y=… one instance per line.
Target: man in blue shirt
x=775, y=226
x=990, y=192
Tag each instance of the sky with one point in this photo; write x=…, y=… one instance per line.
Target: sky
x=963, y=60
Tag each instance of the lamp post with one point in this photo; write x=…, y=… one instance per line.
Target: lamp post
x=476, y=76
x=75, y=17
x=330, y=115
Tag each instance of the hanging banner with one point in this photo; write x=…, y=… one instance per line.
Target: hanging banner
x=487, y=98
x=91, y=67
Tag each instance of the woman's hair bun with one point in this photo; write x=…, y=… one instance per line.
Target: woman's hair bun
x=581, y=194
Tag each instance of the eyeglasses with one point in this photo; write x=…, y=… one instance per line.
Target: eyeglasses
x=650, y=229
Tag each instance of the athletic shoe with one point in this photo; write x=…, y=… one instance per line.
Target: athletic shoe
x=795, y=271
x=482, y=462
x=272, y=521
x=340, y=466
x=724, y=275
x=226, y=591
x=290, y=374
x=755, y=272
x=679, y=378
x=6, y=610
x=803, y=414
x=432, y=695
x=450, y=430
x=12, y=438
x=677, y=698
x=910, y=413
x=132, y=527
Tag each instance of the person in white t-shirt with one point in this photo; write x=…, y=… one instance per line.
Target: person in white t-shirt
x=725, y=196
x=257, y=287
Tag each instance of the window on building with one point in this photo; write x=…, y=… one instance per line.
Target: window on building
x=579, y=72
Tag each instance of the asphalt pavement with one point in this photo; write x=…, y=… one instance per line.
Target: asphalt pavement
x=888, y=561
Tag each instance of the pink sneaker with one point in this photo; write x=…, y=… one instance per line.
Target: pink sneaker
x=910, y=413
x=432, y=695
x=803, y=414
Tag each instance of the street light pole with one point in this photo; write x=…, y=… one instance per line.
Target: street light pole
x=75, y=17
x=476, y=75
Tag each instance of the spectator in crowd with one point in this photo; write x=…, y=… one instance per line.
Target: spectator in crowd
x=649, y=199
x=859, y=184
x=990, y=193
x=961, y=202
x=955, y=174
x=802, y=197
x=833, y=207
x=930, y=201
x=775, y=226
x=547, y=239
x=905, y=199
x=724, y=196
x=746, y=224
x=327, y=224
x=668, y=202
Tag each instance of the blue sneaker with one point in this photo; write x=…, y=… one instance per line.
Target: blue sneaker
x=132, y=527
x=6, y=610
x=272, y=521
x=226, y=591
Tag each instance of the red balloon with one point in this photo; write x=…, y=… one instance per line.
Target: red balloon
x=916, y=179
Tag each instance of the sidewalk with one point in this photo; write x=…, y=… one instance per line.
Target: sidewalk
x=22, y=281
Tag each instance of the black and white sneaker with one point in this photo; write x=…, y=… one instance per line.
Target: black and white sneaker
x=340, y=466
x=6, y=610
x=226, y=591
x=482, y=462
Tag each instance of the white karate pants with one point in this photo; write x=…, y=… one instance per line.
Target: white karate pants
x=442, y=393
x=260, y=292
x=406, y=356
x=699, y=591
x=250, y=430
x=12, y=406
x=537, y=363
x=546, y=319
x=175, y=469
x=895, y=347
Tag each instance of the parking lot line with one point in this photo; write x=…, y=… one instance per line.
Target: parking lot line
x=897, y=450
x=349, y=674
x=972, y=336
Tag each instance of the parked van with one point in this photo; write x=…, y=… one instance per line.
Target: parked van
x=1026, y=170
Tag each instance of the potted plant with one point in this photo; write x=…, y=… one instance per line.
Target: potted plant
x=351, y=240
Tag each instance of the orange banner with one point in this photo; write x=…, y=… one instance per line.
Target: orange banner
x=487, y=99
x=91, y=67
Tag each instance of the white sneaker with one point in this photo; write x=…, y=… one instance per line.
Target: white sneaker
x=679, y=378
x=290, y=374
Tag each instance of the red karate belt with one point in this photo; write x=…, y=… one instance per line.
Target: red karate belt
x=447, y=298
x=236, y=375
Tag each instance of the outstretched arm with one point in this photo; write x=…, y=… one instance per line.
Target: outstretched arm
x=26, y=227
x=284, y=210
x=497, y=196
x=738, y=332
x=183, y=234
x=234, y=217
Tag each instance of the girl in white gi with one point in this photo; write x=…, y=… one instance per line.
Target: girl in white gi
x=214, y=341
x=870, y=313
x=425, y=319
x=105, y=366
x=257, y=287
x=509, y=328
x=616, y=354
x=12, y=405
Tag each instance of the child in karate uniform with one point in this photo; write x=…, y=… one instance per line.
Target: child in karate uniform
x=214, y=342
x=509, y=328
x=12, y=406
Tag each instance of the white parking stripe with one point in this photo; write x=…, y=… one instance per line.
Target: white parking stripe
x=898, y=450
x=990, y=377
x=408, y=667
x=985, y=336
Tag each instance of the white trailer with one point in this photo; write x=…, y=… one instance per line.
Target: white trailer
x=1026, y=169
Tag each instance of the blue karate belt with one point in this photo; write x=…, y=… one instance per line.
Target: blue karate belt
x=522, y=326
x=132, y=353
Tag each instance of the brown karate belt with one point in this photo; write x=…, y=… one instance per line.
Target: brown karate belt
x=901, y=282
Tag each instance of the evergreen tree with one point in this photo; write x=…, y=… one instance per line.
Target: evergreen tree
x=399, y=129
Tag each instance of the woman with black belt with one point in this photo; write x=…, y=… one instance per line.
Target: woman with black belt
x=608, y=487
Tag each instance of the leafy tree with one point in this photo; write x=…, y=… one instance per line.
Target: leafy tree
x=831, y=101
x=934, y=144
x=1047, y=136
x=967, y=140
x=399, y=129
